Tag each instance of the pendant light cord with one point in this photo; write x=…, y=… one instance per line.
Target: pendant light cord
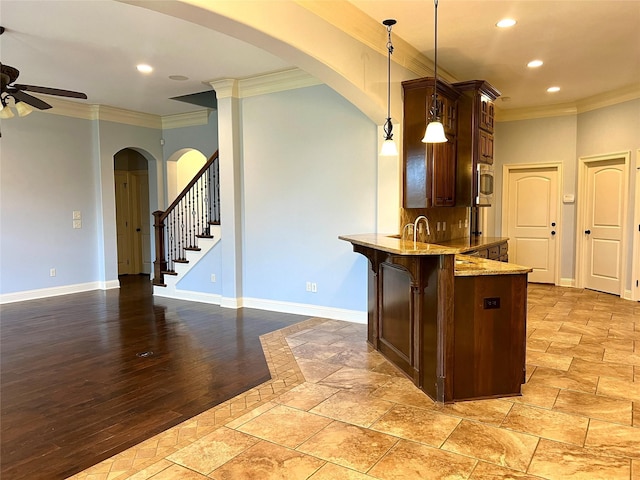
x=434, y=108
x=388, y=126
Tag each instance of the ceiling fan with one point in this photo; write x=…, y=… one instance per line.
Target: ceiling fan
x=18, y=91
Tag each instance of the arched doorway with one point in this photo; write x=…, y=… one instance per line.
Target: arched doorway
x=182, y=166
x=133, y=219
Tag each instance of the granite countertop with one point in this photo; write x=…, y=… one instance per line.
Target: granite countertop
x=470, y=266
x=465, y=265
x=393, y=244
x=465, y=245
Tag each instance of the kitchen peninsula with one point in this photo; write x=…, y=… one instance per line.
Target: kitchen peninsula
x=454, y=324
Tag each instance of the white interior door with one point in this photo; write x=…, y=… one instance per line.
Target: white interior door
x=532, y=219
x=604, y=200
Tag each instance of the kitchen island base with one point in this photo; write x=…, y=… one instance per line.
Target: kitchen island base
x=455, y=325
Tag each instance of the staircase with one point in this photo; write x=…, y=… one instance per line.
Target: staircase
x=189, y=228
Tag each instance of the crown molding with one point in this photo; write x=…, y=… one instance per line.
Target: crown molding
x=276, y=82
x=85, y=111
x=263, y=84
x=129, y=117
x=224, y=87
x=68, y=108
x=530, y=113
x=625, y=94
x=595, y=102
x=181, y=120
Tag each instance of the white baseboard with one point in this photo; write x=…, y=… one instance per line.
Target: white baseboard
x=567, y=282
x=202, y=297
x=261, y=304
x=628, y=295
x=56, y=291
x=306, y=309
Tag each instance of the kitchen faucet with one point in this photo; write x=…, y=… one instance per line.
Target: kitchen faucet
x=415, y=226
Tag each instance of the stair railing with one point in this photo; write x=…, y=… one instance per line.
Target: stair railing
x=188, y=218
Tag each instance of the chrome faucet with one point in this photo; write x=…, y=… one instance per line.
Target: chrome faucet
x=409, y=226
x=415, y=226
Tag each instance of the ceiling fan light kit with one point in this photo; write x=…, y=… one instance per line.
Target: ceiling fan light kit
x=23, y=103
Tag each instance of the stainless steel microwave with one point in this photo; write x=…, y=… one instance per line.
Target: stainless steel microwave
x=484, y=179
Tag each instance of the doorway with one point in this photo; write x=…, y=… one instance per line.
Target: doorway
x=133, y=219
x=531, y=218
x=601, y=226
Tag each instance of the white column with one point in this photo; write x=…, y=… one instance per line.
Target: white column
x=229, y=146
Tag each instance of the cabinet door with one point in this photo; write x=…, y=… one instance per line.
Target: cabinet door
x=486, y=114
x=485, y=146
x=443, y=168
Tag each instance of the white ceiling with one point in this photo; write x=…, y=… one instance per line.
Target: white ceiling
x=589, y=48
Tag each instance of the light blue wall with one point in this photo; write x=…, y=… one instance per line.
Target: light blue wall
x=541, y=140
x=565, y=139
x=47, y=170
x=198, y=279
x=309, y=175
x=203, y=138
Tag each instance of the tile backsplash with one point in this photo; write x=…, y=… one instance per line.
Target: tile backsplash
x=445, y=223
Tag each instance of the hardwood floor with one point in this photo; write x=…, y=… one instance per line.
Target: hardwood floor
x=77, y=388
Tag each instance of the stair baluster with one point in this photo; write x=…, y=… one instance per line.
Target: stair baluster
x=187, y=218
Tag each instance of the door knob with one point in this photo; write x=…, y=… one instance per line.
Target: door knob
x=553, y=224
x=587, y=232
x=553, y=232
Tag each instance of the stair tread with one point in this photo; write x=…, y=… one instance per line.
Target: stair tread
x=170, y=272
x=181, y=260
x=204, y=236
x=214, y=222
x=193, y=249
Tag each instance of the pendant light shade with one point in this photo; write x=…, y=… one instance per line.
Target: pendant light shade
x=434, y=132
x=389, y=148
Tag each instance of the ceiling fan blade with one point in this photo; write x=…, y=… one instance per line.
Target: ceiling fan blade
x=50, y=91
x=31, y=100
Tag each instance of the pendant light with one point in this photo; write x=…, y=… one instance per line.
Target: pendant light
x=435, y=131
x=389, y=147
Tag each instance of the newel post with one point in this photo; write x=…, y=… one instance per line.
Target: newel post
x=160, y=263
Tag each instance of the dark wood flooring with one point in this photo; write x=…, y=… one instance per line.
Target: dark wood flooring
x=74, y=390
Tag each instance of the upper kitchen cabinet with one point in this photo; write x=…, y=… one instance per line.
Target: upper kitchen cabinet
x=429, y=171
x=475, y=136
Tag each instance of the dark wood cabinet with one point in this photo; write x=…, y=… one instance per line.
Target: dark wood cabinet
x=429, y=170
x=498, y=252
x=476, y=113
x=490, y=336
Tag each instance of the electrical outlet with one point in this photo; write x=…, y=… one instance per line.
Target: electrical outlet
x=459, y=223
x=314, y=287
x=77, y=215
x=52, y=272
x=438, y=226
x=466, y=223
x=308, y=286
x=444, y=225
x=213, y=278
x=77, y=224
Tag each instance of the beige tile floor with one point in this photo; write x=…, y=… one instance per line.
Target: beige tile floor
x=335, y=409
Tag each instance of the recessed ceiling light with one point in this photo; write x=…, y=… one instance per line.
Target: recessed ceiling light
x=179, y=78
x=553, y=89
x=144, y=68
x=506, y=23
x=535, y=63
